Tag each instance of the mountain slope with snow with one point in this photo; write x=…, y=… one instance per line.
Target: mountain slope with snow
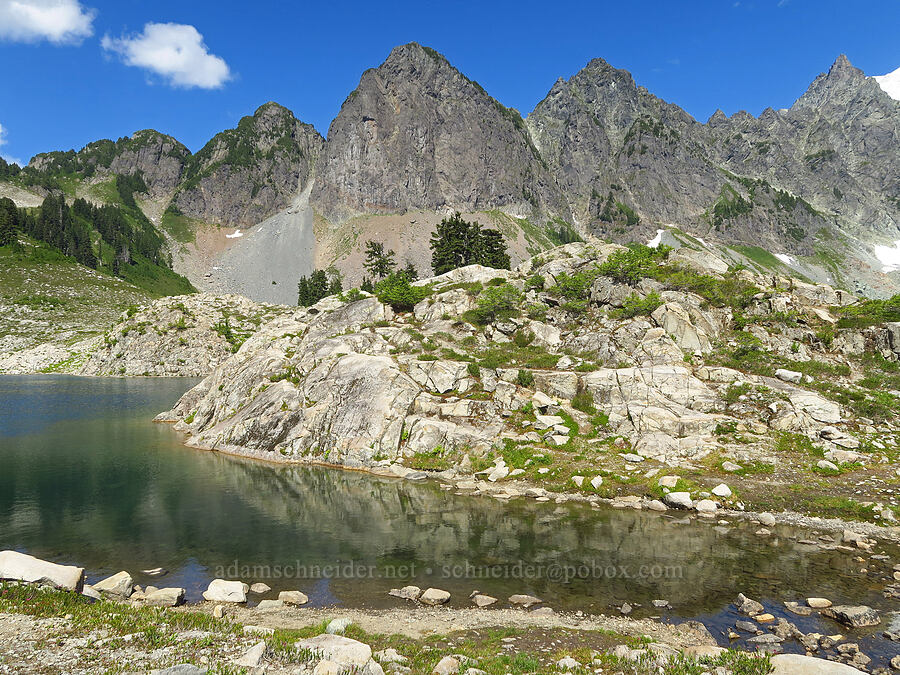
x=890, y=83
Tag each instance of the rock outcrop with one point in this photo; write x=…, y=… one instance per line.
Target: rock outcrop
x=184, y=335
x=354, y=383
x=246, y=174
x=418, y=134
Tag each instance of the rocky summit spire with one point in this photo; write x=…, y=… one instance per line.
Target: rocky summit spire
x=418, y=134
x=838, y=86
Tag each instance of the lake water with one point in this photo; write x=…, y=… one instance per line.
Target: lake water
x=87, y=478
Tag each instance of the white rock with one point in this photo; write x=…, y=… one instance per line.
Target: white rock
x=541, y=401
x=253, y=656
x=434, y=596
x=795, y=664
x=406, y=593
x=339, y=649
x=826, y=465
x=118, y=585
x=17, y=566
x=547, y=421
x=165, y=597
x=722, y=490
x=679, y=500
x=789, y=375
x=767, y=519
x=293, y=597
x=596, y=482
x=446, y=666
x=705, y=506
x=578, y=480
x=567, y=663
x=338, y=626
x=260, y=588
x=220, y=590
x=667, y=481
x=818, y=603
x=482, y=600
x=525, y=601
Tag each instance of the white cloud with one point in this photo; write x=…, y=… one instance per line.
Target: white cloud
x=174, y=51
x=59, y=21
x=2, y=143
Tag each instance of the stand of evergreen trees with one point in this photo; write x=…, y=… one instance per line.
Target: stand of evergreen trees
x=457, y=243
x=124, y=232
x=320, y=284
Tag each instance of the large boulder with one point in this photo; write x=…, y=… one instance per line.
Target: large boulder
x=17, y=566
x=220, y=590
x=165, y=597
x=117, y=586
x=339, y=649
x=796, y=664
x=855, y=616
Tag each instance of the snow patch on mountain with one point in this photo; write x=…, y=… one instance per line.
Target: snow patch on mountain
x=890, y=83
x=888, y=256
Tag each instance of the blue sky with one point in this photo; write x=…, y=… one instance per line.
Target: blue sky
x=79, y=70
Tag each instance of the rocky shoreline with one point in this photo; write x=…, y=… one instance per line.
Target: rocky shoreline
x=860, y=534
x=281, y=636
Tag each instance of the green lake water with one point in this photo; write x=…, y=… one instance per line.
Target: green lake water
x=86, y=477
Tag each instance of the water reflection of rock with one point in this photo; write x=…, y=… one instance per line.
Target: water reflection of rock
x=338, y=516
x=151, y=502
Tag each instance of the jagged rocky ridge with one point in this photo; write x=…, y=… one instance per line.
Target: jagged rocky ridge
x=350, y=382
x=417, y=134
x=246, y=174
x=159, y=158
x=779, y=181
x=819, y=180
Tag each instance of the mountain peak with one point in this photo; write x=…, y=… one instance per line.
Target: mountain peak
x=840, y=84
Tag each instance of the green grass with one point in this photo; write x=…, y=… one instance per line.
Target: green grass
x=180, y=227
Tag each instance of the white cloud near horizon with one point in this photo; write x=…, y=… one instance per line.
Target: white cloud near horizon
x=176, y=52
x=2, y=143
x=57, y=21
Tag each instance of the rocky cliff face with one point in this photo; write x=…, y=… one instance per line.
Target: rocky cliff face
x=417, y=134
x=628, y=161
x=836, y=147
x=246, y=174
x=159, y=158
x=615, y=148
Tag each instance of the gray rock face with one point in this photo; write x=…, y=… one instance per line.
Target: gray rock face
x=417, y=134
x=246, y=174
x=159, y=158
x=610, y=142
